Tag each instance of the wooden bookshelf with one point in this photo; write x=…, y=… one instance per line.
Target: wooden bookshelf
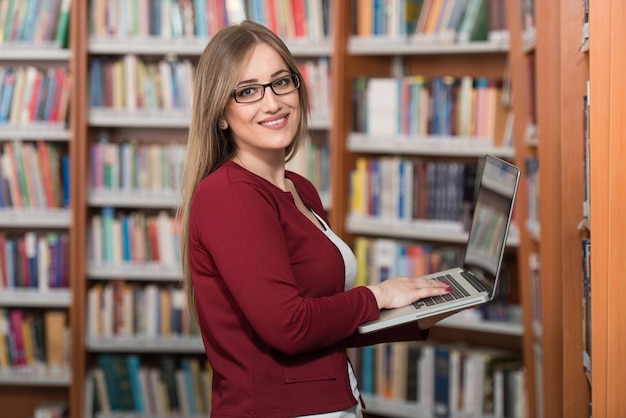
x=355, y=57
x=608, y=139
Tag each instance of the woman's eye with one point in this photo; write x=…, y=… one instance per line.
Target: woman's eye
x=282, y=82
x=247, y=91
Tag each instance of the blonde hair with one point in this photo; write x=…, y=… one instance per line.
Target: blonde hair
x=208, y=146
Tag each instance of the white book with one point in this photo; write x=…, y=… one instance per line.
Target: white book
x=108, y=309
x=165, y=229
x=383, y=262
x=382, y=112
x=183, y=392
x=102, y=393
x=151, y=310
x=426, y=395
x=130, y=81
x=43, y=263
x=96, y=240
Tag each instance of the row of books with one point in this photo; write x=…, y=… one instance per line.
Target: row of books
x=442, y=21
x=34, y=340
x=397, y=188
x=169, y=386
x=448, y=380
x=135, y=166
x=34, y=175
x=132, y=83
x=469, y=107
x=135, y=83
x=381, y=258
x=29, y=94
x=34, y=260
x=119, y=308
x=118, y=238
x=35, y=21
x=173, y=19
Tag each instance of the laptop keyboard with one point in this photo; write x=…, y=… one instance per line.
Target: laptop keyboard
x=456, y=293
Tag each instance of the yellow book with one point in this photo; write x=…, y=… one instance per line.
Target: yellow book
x=358, y=204
x=5, y=361
x=361, y=248
x=56, y=349
x=166, y=312
x=365, y=17
x=29, y=340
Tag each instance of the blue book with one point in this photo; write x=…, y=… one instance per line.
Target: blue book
x=50, y=94
x=442, y=382
x=108, y=216
x=199, y=9
x=126, y=253
x=65, y=177
x=189, y=382
x=375, y=184
x=7, y=94
x=106, y=362
x=367, y=369
x=134, y=364
x=54, y=272
x=9, y=250
x=155, y=17
x=95, y=83
x=31, y=257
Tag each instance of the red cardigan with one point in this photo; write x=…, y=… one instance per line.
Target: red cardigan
x=274, y=317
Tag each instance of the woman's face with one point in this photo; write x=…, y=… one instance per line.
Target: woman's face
x=269, y=124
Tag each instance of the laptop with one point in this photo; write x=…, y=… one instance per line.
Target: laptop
x=476, y=281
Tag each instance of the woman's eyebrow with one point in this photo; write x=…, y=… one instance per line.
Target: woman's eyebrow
x=255, y=80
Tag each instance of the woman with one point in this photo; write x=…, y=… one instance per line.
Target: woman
x=270, y=283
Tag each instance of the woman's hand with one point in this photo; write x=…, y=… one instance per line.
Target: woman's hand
x=401, y=291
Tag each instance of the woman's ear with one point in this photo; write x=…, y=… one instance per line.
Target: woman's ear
x=222, y=124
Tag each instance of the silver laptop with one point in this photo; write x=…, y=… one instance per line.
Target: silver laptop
x=475, y=282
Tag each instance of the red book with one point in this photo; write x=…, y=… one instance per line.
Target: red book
x=46, y=173
x=11, y=171
x=35, y=98
x=153, y=240
x=16, y=337
x=4, y=280
x=64, y=97
x=25, y=276
x=299, y=18
x=272, y=21
x=59, y=80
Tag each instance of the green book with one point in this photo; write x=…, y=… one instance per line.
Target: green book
x=63, y=25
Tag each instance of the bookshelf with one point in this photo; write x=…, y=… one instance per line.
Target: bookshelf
x=388, y=57
x=36, y=136
x=118, y=126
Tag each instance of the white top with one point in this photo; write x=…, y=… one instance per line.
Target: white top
x=349, y=260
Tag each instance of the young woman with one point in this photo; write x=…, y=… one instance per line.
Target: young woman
x=270, y=283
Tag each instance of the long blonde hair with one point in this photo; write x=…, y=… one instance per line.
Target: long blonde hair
x=208, y=146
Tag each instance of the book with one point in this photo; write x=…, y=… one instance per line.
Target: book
x=55, y=330
x=383, y=113
x=62, y=32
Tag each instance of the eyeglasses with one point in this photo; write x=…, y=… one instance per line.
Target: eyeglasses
x=254, y=92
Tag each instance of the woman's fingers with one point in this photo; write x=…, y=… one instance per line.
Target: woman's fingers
x=401, y=291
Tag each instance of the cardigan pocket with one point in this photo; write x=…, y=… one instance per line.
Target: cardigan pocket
x=309, y=368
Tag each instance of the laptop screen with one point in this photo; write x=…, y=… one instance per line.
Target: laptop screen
x=492, y=214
